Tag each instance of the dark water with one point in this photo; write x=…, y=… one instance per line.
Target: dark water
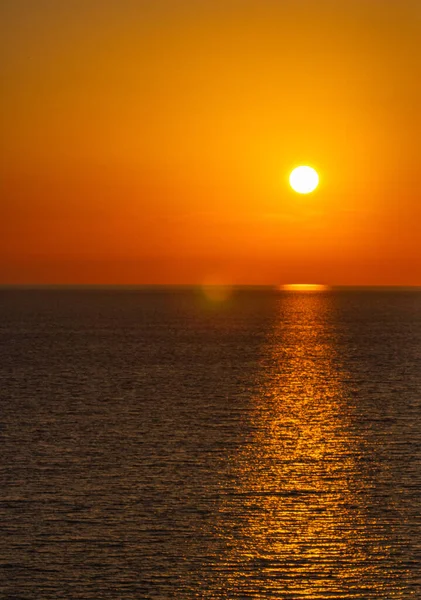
x=158, y=445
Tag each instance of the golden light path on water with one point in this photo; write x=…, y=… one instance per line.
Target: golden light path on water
x=307, y=533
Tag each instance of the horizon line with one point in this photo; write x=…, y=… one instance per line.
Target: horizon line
x=264, y=286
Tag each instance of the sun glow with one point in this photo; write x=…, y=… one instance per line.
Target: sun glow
x=304, y=180
x=304, y=287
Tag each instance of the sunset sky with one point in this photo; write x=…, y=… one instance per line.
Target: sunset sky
x=151, y=141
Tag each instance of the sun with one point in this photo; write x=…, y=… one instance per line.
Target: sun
x=304, y=180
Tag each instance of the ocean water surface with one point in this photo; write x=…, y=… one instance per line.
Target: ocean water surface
x=159, y=444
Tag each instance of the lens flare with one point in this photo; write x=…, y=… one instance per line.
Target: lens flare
x=216, y=289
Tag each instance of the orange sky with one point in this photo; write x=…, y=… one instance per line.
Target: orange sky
x=150, y=141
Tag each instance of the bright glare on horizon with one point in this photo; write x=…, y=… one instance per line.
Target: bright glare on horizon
x=304, y=180
x=304, y=287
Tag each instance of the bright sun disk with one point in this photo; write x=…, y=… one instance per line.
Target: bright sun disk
x=304, y=180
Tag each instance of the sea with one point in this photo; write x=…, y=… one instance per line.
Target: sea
x=163, y=443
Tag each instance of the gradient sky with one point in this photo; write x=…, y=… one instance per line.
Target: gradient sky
x=151, y=141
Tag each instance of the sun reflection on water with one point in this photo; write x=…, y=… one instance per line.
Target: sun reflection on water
x=299, y=482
